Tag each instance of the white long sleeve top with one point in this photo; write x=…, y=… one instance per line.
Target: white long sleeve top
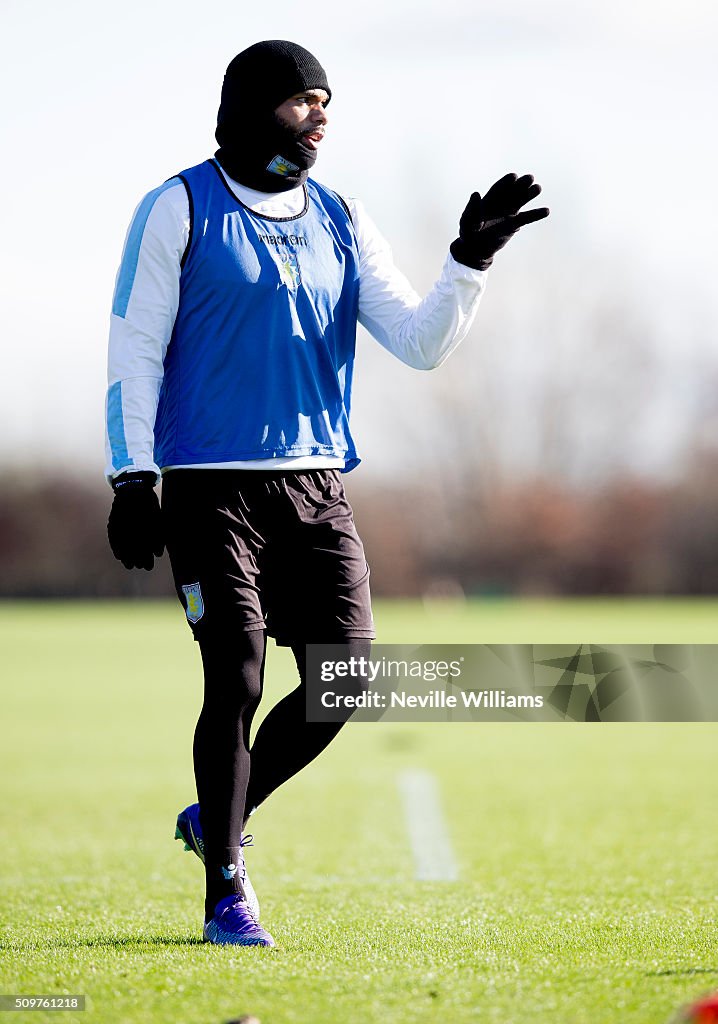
x=420, y=332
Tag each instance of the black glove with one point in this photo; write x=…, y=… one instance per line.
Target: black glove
x=134, y=528
x=487, y=224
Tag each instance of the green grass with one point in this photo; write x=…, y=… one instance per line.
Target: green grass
x=588, y=853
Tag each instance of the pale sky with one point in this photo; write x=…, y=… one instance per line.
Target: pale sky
x=610, y=104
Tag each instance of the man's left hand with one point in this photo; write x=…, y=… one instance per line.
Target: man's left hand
x=488, y=222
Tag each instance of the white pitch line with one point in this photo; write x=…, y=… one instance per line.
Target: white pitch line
x=430, y=844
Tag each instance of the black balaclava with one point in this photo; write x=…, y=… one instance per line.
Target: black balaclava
x=251, y=138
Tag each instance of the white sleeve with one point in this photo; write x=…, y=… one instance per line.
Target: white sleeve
x=420, y=332
x=144, y=308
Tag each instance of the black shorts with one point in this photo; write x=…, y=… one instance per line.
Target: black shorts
x=255, y=549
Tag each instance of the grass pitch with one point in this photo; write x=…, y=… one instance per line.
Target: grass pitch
x=588, y=889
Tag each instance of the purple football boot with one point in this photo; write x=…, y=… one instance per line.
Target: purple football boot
x=233, y=925
x=190, y=830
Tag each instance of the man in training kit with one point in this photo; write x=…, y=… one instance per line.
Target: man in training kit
x=230, y=373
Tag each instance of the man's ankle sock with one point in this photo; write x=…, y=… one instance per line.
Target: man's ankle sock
x=224, y=878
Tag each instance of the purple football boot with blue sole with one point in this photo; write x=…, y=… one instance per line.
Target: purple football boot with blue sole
x=190, y=830
x=233, y=925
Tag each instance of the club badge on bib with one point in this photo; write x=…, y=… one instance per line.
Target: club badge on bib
x=289, y=269
x=195, y=602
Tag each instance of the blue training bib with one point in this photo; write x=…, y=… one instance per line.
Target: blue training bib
x=261, y=357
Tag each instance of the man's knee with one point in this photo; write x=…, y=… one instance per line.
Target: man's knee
x=233, y=662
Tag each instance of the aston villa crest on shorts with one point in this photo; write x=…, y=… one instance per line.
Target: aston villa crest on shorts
x=195, y=604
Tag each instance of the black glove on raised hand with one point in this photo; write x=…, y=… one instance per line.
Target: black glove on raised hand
x=134, y=528
x=488, y=223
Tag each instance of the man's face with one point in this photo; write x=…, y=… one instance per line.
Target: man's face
x=304, y=115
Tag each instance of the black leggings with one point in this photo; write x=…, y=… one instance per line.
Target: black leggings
x=231, y=778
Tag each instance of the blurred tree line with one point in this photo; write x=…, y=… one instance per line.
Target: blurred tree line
x=536, y=537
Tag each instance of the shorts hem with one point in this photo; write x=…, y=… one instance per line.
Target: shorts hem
x=286, y=640
x=200, y=628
